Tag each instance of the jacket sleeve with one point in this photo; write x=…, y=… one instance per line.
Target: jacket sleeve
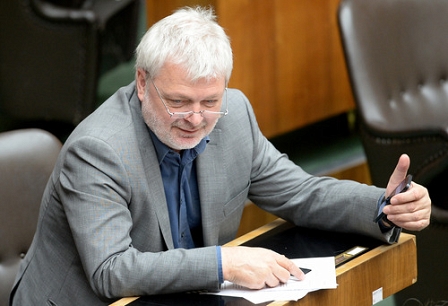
x=283, y=188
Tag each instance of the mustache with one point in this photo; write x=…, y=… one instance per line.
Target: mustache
x=186, y=125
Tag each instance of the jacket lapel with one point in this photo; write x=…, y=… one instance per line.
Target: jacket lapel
x=211, y=182
x=156, y=193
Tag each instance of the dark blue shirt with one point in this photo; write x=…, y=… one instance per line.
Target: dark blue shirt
x=182, y=195
x=181, y=191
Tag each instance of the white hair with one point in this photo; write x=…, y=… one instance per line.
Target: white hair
x=190, y=37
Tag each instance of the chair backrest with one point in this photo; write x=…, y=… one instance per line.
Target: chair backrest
x=52, y=56
x=397, y=57
x=49, y=67
x=27, y=158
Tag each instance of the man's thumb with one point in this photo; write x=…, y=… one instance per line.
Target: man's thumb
x=399, y=173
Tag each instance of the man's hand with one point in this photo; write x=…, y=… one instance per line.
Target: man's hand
x=256, y=268
x=410, y=210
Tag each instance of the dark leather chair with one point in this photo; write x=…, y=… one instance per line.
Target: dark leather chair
x=397, y=58
x=27, y=158
x=52, y=53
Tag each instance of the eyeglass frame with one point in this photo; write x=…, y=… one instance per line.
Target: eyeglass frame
x=183, y=115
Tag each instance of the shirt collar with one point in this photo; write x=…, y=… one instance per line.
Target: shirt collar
x=162, y=149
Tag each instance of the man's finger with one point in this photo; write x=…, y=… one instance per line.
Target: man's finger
x=293, y=269
x=399, y=173
x=297, y=273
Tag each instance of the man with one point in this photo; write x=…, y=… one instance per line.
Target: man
x=148, y=188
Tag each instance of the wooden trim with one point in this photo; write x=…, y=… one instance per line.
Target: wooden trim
x=124, y=301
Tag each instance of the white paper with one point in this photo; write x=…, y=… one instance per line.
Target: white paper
x=322, y=276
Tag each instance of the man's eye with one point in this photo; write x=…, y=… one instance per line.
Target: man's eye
x=210, y=103
x=177, y=103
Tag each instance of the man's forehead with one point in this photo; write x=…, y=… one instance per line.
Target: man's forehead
x=179, y=73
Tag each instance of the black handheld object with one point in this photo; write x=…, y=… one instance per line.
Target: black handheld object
x=402, y=187
x=305, y=270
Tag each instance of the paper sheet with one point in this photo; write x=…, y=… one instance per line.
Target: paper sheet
x=322, y=276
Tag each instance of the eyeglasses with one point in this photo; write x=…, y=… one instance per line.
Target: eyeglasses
x=204, y=113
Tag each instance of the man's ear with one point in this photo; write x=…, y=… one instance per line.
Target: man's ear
x=141, y=83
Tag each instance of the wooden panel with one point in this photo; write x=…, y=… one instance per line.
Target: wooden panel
x=287, y=57
x=157, y=9
x=310, y=73
x=253, y=39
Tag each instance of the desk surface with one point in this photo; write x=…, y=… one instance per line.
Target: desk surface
x=390, y=267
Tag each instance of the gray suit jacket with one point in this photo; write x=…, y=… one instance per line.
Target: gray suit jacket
x=104, y=231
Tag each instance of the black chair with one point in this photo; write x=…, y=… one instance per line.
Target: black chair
x=52, y=53
x=397, y=57
x=27, y=158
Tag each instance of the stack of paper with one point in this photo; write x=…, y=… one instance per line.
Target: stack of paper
x=322, y=276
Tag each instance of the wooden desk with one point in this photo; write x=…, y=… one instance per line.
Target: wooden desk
x=390, y=267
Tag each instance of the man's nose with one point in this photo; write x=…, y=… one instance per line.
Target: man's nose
x=195, y=117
